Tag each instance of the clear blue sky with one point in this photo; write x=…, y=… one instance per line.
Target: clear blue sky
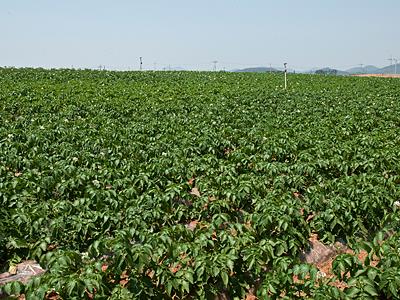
x=191, y=34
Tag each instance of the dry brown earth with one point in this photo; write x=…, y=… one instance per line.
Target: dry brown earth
x=379, y=75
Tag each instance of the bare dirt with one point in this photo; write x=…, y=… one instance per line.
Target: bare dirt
x=379, y=75
x=22, y=272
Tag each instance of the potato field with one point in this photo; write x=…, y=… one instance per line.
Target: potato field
x=198, y=185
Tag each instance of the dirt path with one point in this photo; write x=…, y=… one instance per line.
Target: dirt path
x=379, y=75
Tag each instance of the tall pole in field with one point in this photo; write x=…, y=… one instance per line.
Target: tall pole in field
x=270, y=68
x=391, y=60
x=285, y=65
x=215, y=65
x=141, y=63
x=395, y=65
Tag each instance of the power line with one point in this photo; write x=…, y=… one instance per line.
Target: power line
x=233, y=66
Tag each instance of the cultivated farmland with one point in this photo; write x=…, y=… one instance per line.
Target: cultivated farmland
x=195, y=185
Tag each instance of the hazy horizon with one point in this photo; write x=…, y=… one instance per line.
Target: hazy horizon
x=339, y=34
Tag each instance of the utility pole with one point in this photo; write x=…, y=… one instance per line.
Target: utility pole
x=270, y=68
x=362, y=68
x=141, y=63
x=285, y=66
x=391, y=60
x=395, y=65
x=215, y=65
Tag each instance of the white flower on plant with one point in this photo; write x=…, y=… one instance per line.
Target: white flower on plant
x=321, y=274
x=397, y=204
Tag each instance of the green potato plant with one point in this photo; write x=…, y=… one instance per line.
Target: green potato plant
x=188, y=185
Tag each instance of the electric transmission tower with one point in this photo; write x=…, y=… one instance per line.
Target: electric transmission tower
x=391, y=60
x=362, y=68
x=215, y=65
x=140, y=63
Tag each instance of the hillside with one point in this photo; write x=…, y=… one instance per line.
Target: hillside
x=363, y=70
x=369, y=69
x=257, y=70
x=389, y=70
x=329, y=71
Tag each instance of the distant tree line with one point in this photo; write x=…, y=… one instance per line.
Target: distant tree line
x=326, y=72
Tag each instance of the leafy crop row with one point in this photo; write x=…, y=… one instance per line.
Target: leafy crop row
x=189, y=185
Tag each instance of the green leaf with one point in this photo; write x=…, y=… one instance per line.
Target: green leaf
x=371, y=290
x=372, y=273
x=225, y=278
x=169, y=288
x=200, y=271
x=185, y=286
x=189, y=276
x=352, y=292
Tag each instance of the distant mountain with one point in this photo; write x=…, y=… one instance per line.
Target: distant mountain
x=311, y=71
x=363, y=70
x=340, y=72
x=389, y=70
x=375, y=70
x=256, y=70
x=173, y=68
x=326, y=71
x=369, y=69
